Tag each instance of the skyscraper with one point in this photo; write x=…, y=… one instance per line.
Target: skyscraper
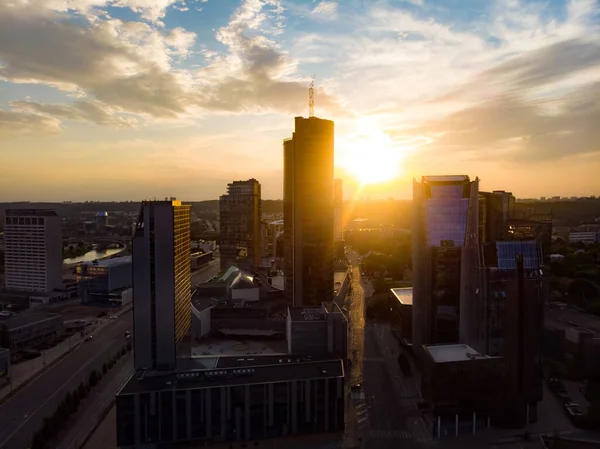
x=240, y=213
x=445, y=229
x=161, y=283
x=308, y=212
x=33, y=250
x=338, y=202
x=509, y=305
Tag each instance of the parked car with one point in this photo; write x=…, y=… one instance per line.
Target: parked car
x=88, y=338
x=356, y=387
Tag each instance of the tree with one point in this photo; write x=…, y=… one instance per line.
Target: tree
x=93, y=378
x=104, y=368
x=81, y=392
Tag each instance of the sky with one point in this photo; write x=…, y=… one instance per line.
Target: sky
x=133, y=99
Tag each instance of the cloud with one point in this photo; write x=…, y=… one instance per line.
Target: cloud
x=256, y=74
x=510, y=127
x=16, y=123
x=326, y=9
x=89, y=111
x=152, y=10
x=124, y=64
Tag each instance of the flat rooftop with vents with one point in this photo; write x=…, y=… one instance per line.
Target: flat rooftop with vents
x=209, y=372
x=403, y=295
x=453, y=353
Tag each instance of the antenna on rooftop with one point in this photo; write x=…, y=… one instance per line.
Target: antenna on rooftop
x=311, y=97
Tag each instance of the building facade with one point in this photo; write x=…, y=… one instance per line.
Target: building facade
x=99, y=278
x=338, y=204
x=240, y=227
x=161, y=283
x=33, y=250
x=232, y=399
x=309, y=212
x=445, y=230
x=317, y=330
x=25, y=331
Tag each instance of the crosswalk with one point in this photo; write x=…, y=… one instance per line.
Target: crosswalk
x=390, y=434
x=362, y=414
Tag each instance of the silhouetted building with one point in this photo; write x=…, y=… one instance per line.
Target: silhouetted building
x=161, y=283
x=309, y=212
x=462, y=389
x=318, y=330
x=101, y=220
x=338, y=203
x=32, y=250
x=240, y=225
x=444, y=255
x=232, y=399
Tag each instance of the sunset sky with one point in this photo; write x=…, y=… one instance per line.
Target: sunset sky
x=131, y=99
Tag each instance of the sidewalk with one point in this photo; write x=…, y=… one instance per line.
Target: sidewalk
x=93, y=411
x=22, y=373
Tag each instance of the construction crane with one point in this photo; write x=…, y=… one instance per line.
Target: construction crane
x=311, y=97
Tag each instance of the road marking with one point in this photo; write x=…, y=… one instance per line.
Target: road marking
x=362, y=420
x=56, y=391
x=390, y=434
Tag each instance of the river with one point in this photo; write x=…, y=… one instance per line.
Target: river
x=92, y=255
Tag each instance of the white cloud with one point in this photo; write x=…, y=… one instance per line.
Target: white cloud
x=326, y=9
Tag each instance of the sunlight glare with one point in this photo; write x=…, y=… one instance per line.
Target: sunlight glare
x=370, y=155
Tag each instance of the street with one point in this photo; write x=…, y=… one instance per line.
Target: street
x=23, y=414
x=387, y=415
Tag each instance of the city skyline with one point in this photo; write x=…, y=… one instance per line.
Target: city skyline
x=191, y=94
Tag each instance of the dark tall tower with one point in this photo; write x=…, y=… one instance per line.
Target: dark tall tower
x=240, y=227
x=161, y=283
x=444, y=249
x=309, y=212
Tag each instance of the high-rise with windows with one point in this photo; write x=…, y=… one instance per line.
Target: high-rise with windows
x=338, y=203
x=309, y=212
x=240, y=226
x=161, y=283
x=445, y=230
x=33, y=250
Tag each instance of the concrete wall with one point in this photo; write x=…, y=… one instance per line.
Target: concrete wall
x=201, y=325
x=250, y=323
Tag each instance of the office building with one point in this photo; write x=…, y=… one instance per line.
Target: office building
x=25, y=331
x=98, y=279
x=338, y=203
x=462, y=389
x=308, y=212
x=240, y=227
x=231, y=399
x=161, y=283
x=445, y=237
x=317, y=330
x=33, y=250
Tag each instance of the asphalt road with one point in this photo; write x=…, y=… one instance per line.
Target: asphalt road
x=23, y=414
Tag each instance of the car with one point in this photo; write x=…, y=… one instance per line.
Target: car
x=356, y=387
x=113, y=317
x=89, y=338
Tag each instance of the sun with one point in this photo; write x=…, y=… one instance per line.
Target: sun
x=369, y=155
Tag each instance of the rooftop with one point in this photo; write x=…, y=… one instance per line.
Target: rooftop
x=453, y=353
x=307, y=313
x=403, y=295
x=31, y=213
x=339, y=276
x=210, y=372
x=111, y=262
x=25, y=319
